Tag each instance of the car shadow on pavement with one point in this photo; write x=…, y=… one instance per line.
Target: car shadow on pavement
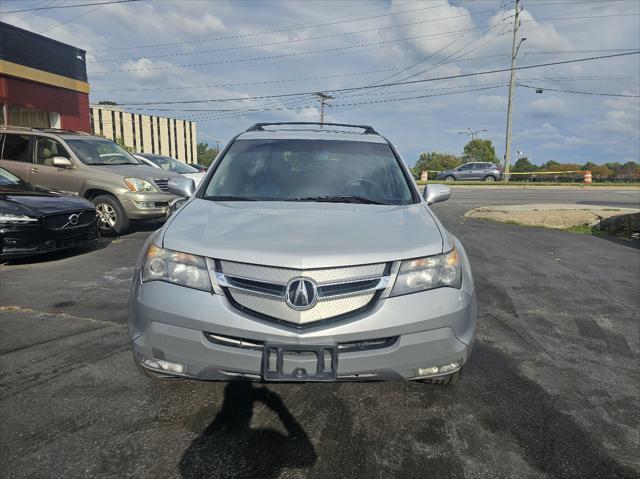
x=551, y=440
x=229, y=447
x=99, y=244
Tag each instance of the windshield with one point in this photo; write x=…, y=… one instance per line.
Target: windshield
x=309, y=170
x=93, y=151
x=171, y=164
x=8, y=179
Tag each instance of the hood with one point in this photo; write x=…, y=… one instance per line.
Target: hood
x=303, y=235
x=136, y=171
x=39, y=203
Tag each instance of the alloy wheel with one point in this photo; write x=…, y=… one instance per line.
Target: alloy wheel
x=106, y=216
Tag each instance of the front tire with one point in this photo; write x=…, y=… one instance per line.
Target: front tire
x=449, y=178
x=112, y=219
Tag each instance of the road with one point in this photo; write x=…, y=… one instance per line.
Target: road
x=499, y=195
x=551, y=389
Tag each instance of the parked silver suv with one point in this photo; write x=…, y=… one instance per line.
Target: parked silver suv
x=307, y=254
x=472, y=171
x=120, y=186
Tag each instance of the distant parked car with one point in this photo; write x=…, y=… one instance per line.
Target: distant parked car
x=120, y=186
x=35, y=220
x=472, y=171
x=199, y=167
x=171, y=164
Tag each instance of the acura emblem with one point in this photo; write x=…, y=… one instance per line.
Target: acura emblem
x=301, y=293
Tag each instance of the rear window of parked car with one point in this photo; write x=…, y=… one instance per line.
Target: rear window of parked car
x=16, y=148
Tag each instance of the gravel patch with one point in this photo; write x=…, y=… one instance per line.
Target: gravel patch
x=548, y=217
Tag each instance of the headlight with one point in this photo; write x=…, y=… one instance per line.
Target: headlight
x=16, y=219
x=179, y=268
x=138, y=184
x=428, y=273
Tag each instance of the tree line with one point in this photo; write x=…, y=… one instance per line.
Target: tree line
x=483, y=151
x=206, y=155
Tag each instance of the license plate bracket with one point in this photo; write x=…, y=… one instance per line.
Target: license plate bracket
x=326, y=362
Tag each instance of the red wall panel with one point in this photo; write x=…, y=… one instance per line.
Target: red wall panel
x=73, y=106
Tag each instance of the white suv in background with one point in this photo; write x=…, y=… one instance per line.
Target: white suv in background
x=171, y=164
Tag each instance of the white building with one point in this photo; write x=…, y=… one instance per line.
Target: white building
x=146, y=133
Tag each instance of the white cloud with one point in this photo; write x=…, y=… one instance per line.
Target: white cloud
x=492, y=102
x=443, y=19
x=547, y=107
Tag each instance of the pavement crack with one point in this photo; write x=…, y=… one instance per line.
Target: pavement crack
x=602, y=292
x=20, y=309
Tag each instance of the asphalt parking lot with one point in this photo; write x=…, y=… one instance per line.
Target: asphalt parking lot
x=552, y=388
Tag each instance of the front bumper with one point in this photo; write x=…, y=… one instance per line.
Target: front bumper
x=169, y=322
x=146, y=205
x=22, y=241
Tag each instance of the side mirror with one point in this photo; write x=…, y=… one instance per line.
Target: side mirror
x=61, y=162
x=183, y=187
x=436, y=193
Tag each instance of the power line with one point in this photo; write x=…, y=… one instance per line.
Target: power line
x=315, y=97
x=71, y=19
x=407, y=82
x=284, y=42
x=262, y=82
x=278, y=30
x=36, y=13
x=579, y=92
x=587, y=78
x=387, y=100
x=74, y=5
x=286, y=55
x=427, y=58
x=268, y=82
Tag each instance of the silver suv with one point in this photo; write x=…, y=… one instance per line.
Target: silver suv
x=306, y=254
x=120, y=186
x=472, y=171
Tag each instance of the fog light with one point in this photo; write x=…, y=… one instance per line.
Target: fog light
x=160, y=365
x=439, y=370
x=427, y=371
x=446, y=368
x=145, y=204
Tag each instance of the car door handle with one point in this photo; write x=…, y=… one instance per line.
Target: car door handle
x=34, y=169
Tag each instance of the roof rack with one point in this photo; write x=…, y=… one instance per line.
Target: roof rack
x=368, y=130
x=61, y=130
x=44, y=130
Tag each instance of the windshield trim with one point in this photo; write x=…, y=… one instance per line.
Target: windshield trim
x=200, y=192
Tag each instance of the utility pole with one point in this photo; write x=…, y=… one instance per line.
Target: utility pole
x=323, y=97
x=514, y=54
x=471, y=133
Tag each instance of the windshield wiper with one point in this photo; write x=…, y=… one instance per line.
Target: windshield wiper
x=343, y=199
x=229, y=198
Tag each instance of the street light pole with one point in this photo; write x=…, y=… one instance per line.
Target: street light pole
x=471, y=133
x=514, y=53
x=323, y=97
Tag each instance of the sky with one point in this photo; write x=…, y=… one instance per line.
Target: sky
x=218, y=56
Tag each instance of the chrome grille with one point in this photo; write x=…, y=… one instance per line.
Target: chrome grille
x=263, y=290
x=163, y=185
x=61, y=220
x=271, y=274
